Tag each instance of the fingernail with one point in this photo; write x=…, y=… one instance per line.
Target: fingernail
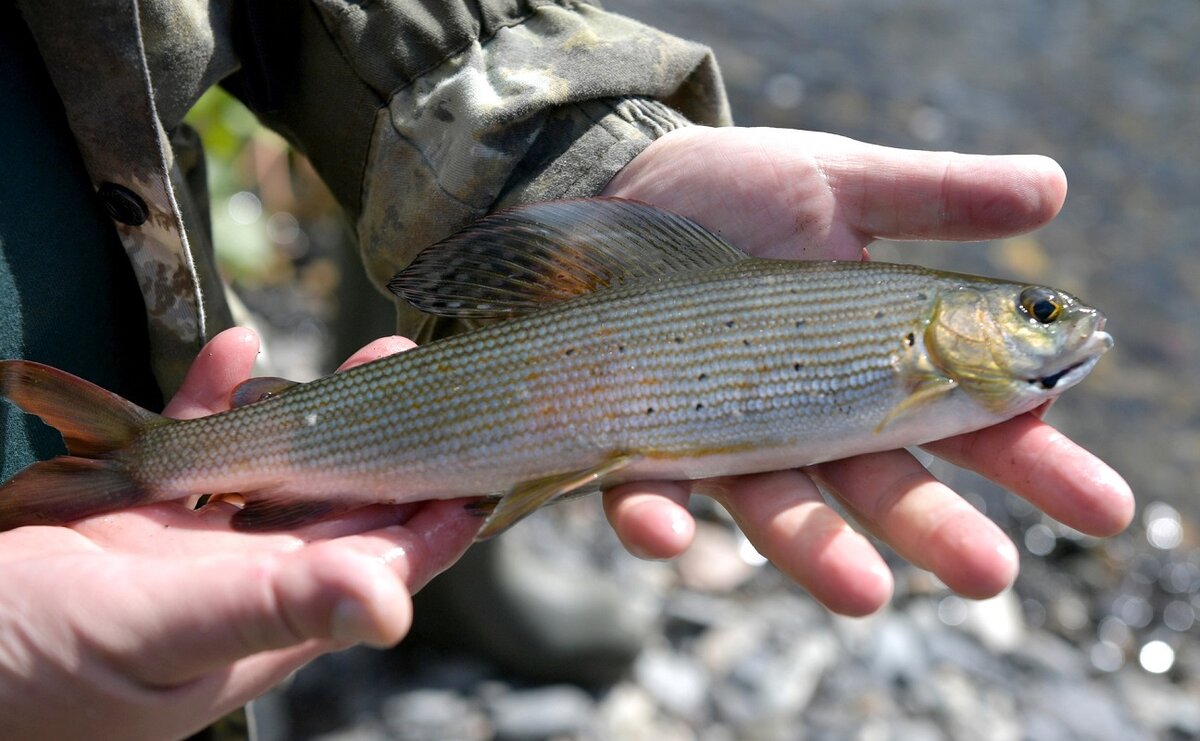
x=351, y=623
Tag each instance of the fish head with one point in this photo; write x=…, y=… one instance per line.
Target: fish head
x=1012, y=347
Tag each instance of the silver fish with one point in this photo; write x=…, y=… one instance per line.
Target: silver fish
x=638, y=346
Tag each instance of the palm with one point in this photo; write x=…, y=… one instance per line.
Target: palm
x=784, y=193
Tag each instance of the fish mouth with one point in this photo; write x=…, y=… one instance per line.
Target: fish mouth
x=1078, y=365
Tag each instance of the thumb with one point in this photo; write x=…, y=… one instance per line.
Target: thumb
x=225, y=361
x=216, y=611
x=204, y=614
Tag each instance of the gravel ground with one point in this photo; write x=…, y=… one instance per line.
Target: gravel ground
x=1099, y=639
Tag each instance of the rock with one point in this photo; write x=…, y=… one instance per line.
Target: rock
x=693, y=612
x=357, y=732
x=770, y=687
x=536, y=618
x=713, y=562
x=1045, y=654
x=791, y=677
x=720, y=647
x=953, y=647
x=1056, y=709
x=998, y=623
x=554, y=711
x=421, y=714
x=676, y=681
x=629, y=713
x=972, y=709
x=897, y=656
x=1169, y=710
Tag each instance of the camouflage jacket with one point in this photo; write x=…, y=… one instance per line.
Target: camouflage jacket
x=420, y=116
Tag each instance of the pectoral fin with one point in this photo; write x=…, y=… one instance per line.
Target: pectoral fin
x=259, y=389
x=264, y=512
x=926, y=390
x=523, y=500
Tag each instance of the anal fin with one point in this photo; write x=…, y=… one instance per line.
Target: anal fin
x=526, y=498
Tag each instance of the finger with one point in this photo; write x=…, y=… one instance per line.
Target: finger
x=224, y=362
x=810, y=194
x=924, y=521
x=908, y=194
x=433, y=538
x=171, y=529
x=651, y=518
x=784, y=517
x=1036, y=461
x=380, y=348
x=762, y=189
x=349, y=590
x=257, y=603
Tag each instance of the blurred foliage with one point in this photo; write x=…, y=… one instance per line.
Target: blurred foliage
x=270, y=210
x=283, y=245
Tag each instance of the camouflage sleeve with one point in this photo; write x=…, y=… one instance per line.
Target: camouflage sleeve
x=424, y=116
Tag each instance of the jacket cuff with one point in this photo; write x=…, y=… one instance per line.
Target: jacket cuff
x=584, y=145
x=550, y=107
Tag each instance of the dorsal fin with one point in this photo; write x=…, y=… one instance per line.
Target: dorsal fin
x=519, y=259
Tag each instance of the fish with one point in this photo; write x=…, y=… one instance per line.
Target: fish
x=624, y=343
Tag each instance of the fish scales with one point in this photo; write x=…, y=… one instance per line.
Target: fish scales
x=639, y=369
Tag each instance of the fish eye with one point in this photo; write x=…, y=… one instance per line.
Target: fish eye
x=1042, y=304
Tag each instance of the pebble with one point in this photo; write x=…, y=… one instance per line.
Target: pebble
x=1082, y=710
x=714, y=562
x=677, y=682
x=555, y=711
x=422, y=714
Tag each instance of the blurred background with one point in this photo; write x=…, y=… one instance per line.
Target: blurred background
x=1098, y=640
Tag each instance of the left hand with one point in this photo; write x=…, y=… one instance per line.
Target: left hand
x=807, y=195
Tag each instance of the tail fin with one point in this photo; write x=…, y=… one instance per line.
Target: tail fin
x=95, y=424
x=92, y=421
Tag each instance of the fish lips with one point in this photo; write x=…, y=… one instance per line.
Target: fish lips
x=1077, y=365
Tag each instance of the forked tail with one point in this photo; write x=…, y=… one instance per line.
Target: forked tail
x=95, y=424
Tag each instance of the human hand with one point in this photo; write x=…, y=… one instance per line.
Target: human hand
x=807, y=195
x=154, y=621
